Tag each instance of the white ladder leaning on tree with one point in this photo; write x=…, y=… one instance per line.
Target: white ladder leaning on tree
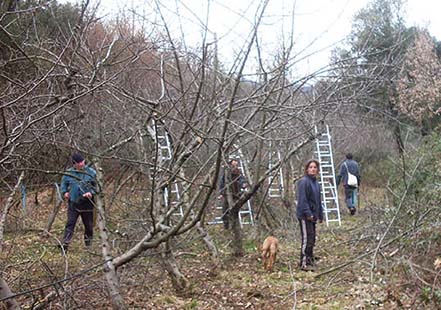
x=275, y=180
x=328, y=186
x=245, y=214
x=159, y=133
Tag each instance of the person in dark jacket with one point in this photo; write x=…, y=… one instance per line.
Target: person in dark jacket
x=236, y=186
x=309, y=211
x=350, y=191
x=78, y=186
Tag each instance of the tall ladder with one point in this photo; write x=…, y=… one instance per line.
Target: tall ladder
x=327, y=177
x=275, y=180
x=162, y=139
x=246, y=213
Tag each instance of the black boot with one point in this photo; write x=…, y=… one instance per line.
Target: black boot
x=63, y=248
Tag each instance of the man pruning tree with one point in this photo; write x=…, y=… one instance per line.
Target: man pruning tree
x=78, y=186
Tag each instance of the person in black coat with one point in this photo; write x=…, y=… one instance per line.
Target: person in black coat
x=309, y=211
x=233, y=178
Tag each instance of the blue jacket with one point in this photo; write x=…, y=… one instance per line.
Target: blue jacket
x=78, y=182
x=308, y=199
x=353, y=169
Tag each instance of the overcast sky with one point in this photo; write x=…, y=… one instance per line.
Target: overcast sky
x=318, y=24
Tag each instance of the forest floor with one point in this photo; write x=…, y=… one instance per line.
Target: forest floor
x=344, y=277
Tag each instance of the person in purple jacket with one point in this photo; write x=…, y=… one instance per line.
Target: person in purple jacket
x=309, y=211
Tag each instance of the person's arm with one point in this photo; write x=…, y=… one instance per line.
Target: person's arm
x=93, y=183
x=339, y=176
x=320, y=211
x=90, y=185
x=303, y=203
x=65, y=186
x=358, y=175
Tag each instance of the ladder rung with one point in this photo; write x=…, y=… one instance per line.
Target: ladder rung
x=244, y=212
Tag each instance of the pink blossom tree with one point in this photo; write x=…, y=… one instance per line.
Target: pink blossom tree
x=419, y=83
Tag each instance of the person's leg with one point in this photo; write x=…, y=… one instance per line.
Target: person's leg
x=349, y=199
x=72, y=216
x=307, y=233
x=310, y=243
x=87, y=218
x=355, y=197
x=303, y=236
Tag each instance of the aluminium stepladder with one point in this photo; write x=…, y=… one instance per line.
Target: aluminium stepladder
x=246, y=214
x=163, y=141
x=327, y=182
x=275, y=180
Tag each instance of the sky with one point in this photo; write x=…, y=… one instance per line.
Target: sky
x=318, y=26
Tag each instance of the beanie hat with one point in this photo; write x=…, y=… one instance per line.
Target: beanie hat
x=77, y=158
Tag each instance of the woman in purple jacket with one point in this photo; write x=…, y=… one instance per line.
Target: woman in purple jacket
x=309, y=210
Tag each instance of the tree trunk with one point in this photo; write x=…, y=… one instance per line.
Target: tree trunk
x=57, y=204
x=6, y=292
x=179, y=282
x=237, y=232
x=7, y=207
x=398, y=139
x=209, y=244
x=109, y=267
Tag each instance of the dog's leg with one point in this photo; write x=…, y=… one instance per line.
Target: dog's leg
x=271, y=262
x=264, y=259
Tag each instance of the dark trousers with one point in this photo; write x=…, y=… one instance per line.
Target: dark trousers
x=85, y=210
x=307, y=233
x=351, y=197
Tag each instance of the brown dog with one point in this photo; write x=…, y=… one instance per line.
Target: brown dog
x=269, y=252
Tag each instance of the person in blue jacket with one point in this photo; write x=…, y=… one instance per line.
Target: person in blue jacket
x=309, y=211
x=78, y=187
x=350, y=191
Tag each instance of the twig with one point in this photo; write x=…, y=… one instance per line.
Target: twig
x=362, y=255
x=403, y=196
x=294, y=289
